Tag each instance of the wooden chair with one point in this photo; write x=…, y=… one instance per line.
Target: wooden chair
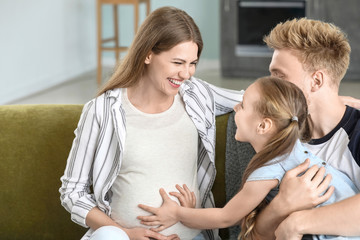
x=100, y=41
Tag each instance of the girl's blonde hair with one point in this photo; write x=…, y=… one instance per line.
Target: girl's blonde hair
x=163, y=29
x=317, y=45
x=281, y=101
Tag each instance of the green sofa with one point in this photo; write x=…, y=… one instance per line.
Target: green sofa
x=35, y=141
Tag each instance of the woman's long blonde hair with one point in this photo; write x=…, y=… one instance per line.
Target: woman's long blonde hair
x=279, y=101
x=163, y=29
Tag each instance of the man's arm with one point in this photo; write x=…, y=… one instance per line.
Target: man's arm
x=296, y=193
x=341, y=218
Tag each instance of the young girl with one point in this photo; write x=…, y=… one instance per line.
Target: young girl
x=273, y=118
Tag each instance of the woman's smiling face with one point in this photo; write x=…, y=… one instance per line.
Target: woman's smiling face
x=165, y=72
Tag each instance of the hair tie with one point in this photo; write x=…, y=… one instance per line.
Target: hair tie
x=294, y=118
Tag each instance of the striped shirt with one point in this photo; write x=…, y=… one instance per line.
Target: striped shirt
x=96, y=153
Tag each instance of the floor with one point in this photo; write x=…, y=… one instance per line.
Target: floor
x=83, y=88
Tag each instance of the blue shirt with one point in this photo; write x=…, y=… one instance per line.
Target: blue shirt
x=277, y=168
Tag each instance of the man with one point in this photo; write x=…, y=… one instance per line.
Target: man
x=315, y=56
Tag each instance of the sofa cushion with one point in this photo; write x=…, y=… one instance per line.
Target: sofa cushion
x=35, y=142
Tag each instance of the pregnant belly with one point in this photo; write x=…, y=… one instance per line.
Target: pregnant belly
x=125, y=208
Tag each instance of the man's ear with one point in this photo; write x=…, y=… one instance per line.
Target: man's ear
x=265, y=126
x=317, y=81
x=148, y=58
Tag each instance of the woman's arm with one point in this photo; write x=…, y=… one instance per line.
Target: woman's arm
x=350, y=101
x=75, y=192
x=225, y=99
x=97, y=218
x=296, y=193
x=238, y=207
x=76, y=196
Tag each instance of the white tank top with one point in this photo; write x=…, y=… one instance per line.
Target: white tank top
x=160, y=152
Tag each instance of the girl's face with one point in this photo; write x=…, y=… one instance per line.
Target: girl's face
x=246, y=117
x=165, y=72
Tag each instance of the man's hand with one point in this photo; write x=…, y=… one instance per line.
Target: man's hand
x=305, y=191
x=147, y=234
x=287, y=230
x=297, y=192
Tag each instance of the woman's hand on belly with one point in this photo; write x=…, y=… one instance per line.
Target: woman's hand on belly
x=147, y=234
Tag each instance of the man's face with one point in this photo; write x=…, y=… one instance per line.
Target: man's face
x=285, y=65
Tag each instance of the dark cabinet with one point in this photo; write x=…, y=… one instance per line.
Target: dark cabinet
x=245, y=22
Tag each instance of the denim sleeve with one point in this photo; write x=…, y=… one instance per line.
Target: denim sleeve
x=268, y=172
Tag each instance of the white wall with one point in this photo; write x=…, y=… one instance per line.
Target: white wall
x=44, y=43
x=206, y=14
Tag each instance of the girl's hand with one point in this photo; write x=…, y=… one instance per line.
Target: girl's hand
x=147, y=234
x=164, y=216
x=186, y=197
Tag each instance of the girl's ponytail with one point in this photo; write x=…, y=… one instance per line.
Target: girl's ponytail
x=285, y=104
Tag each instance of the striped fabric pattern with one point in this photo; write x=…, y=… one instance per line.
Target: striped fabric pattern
x=96, y=153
